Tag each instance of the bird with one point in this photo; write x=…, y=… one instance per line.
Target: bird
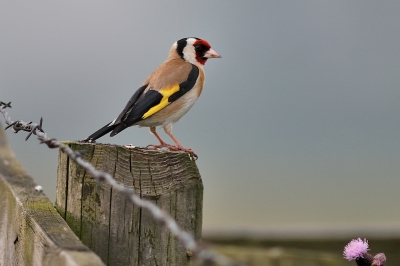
x=166, y=95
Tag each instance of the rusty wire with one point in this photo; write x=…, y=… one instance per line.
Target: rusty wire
x=204, y=255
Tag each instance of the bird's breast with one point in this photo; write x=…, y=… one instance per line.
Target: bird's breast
x=174, y=111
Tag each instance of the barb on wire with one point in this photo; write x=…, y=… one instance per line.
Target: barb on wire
x=206, y=256
x=5, y=105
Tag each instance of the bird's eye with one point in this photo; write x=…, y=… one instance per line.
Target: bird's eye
x=198, y=48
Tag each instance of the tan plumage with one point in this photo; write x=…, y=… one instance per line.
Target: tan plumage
x=163, y=78
x=173, y=70
x=167, y=94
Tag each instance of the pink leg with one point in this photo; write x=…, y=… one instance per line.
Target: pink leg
x=153, y=131
x=178, y=147
x=163, y=144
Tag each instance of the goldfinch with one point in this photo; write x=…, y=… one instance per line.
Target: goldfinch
x=167, y=94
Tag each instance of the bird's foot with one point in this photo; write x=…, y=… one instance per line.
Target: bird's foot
x=180, y=148
x=160, y=146
x=173, y=148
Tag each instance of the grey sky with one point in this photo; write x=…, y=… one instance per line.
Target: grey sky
x=298, y=123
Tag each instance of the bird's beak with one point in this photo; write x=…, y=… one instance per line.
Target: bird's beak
x=212, y=54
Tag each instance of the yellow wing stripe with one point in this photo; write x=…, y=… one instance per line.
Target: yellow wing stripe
x=166, y=93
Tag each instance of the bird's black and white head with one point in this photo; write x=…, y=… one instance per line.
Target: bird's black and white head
x=194, y=50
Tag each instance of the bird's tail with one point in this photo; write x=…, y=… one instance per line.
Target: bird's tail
x=99, y=133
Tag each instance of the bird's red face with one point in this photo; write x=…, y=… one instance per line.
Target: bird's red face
x=195, y=50
x=203, y=51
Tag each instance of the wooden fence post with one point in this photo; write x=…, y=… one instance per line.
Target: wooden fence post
x=120, y=233
x=31, y=230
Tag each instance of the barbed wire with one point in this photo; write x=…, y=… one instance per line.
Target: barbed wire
x=200, y=252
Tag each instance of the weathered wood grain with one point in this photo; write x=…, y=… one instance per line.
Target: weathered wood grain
x=31, y=230
x=120, y=233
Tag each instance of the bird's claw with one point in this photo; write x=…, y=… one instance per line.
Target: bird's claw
x=172, y=148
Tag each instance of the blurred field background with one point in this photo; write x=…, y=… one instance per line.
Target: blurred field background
x=311, y=246
x=322, y=252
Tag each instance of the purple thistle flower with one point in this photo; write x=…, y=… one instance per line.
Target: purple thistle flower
x=355, y=249
x=379, y=260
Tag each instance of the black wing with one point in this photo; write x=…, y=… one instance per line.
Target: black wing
x=153, y=101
